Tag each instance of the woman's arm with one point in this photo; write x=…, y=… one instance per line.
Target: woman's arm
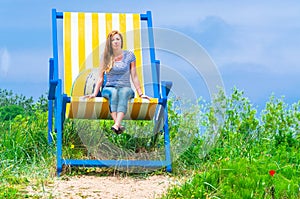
x=136, y=81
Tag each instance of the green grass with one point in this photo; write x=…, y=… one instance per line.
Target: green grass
x=248, y=147
x=240, y=178
x=24, y=154
x=229, y=157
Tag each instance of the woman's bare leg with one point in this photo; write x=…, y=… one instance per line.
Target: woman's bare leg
x=118, y=120
x=113, y=116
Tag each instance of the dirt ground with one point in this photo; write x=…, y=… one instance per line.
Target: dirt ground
x=108, y=187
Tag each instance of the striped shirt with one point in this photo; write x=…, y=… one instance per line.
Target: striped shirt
x=119, y=75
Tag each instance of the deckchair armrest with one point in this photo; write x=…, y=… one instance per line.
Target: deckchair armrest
x=52, y=88
x=166, y=87
x=165, y=90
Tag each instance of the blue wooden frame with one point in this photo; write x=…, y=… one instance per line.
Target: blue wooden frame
x=57, y=101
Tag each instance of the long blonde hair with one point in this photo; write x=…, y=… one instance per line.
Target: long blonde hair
x=108, y=51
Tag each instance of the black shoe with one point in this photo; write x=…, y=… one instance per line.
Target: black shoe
x=117, y=131
x=122, y=129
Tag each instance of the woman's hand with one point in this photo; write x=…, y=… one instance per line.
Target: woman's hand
x=145, y=96
x=90, y=96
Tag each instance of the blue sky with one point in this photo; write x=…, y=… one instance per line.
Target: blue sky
x=255, y=45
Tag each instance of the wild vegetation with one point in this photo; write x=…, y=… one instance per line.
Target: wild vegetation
x=231, y=150
x=253, y=157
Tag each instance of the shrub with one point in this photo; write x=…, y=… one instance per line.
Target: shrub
x=9, y=112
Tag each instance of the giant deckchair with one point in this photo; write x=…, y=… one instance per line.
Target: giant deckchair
x=83, y=36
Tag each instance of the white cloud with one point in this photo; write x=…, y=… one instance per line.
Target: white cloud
x=254, y=13
x=268, y=43
x=262, y=33
x=4, y=62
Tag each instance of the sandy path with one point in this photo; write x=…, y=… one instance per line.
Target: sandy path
x=105, y=187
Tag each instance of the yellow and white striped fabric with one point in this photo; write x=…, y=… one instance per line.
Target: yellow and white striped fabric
x=84, y=37
x=97, y=108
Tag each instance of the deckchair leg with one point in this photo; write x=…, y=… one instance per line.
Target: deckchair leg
x=51, y=98
x=50, y=121
x=165, y=88
x=59, y=128
x=59, y=149
x=167, y=144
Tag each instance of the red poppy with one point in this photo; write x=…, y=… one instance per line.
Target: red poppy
x=272, y=172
